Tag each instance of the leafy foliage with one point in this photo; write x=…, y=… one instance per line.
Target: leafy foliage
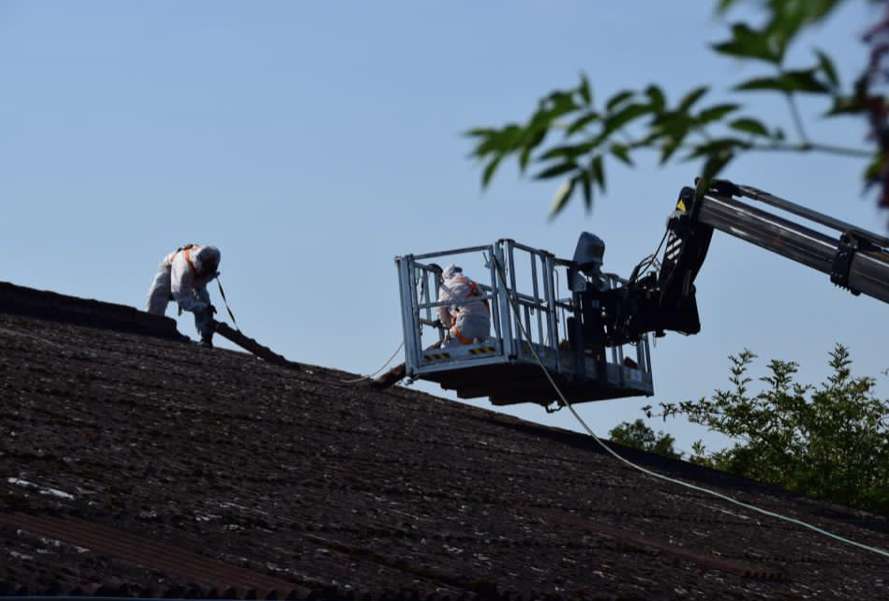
x=572, y=137
x=876, y=76
x=830, y=441
x=638, y=435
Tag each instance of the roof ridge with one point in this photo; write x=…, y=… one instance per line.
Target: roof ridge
x=52, y=306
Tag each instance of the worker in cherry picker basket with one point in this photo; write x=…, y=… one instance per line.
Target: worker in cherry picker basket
x=467, y=316
x=183, y=277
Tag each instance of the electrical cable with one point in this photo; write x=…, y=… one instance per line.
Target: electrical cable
x=374, y=374
x=648, y=261
x=654, y=474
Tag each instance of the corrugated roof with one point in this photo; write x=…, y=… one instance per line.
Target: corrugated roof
x=136, y=464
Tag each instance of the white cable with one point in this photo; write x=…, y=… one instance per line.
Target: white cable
x=654, y=474
x=373, y=375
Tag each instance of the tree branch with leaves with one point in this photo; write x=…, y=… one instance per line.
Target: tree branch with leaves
x=571, y=136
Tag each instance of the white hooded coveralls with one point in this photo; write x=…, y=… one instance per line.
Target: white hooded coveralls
x=183, y=276
x=465, y=319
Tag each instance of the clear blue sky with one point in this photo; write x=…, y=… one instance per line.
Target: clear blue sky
x=313, y=142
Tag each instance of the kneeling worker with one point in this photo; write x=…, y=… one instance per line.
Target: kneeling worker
x=464, y=318
x=183, y=276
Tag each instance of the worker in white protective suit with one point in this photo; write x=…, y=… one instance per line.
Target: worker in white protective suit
x=466, y=316
x=183, y=276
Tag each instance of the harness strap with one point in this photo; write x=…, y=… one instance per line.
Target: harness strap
x=459, y=335
x=186, y=252
x=475, y=291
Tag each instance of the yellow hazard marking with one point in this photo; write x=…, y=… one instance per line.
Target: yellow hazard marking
x=436, y=356
x=485, y=350
x=680, y=206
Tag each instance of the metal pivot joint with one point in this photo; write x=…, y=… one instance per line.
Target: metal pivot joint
x=848, y=245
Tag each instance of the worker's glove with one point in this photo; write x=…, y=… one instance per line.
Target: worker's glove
x=438, y=324
x=212, y=310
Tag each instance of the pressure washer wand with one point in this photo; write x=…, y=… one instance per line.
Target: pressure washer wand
x=249, y=344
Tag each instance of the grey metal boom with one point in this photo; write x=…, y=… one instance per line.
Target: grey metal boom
x=807, y=213
x=867, y=268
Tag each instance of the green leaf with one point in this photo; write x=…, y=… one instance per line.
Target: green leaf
x=559, y=102
x=827, y=67
x=562, y=196
x=715, y=113
x=750, y=126
x=597, y=167
x=479, y=132
x=587, y=187
x=692, y=97
x=847, y=105
x=623, y=117
x=481, y=147
x=584, y=89
x=656, y=97
x=715, y=164
x=618, y=99
x=552, y=107
x=556, y=170
x=569, y=151
x=497, y=141
x=670, y=129
x=786, y=19
x=535, y=140
x=748, y=43
x=789, y=82
x=874, y=169
x=671, y=144
x=715, y=147
x=490, y=168
x=581, y=122
x=622, y=152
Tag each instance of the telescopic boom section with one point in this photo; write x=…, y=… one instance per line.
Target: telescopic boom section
x=854, y=258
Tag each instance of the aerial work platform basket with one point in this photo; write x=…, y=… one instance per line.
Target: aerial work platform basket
x=531, y=324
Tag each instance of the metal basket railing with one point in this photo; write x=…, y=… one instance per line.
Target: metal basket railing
x=521, y=284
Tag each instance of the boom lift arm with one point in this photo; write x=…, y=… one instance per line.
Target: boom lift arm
x=580, y=340
x=660, y=297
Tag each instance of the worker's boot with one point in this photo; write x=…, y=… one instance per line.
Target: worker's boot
x=207, y=341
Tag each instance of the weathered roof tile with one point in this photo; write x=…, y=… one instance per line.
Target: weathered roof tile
x=181, y=471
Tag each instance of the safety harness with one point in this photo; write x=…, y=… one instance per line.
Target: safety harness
x=186, y=253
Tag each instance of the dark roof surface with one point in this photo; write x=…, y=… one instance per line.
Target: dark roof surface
x=134, y=464
x=43, y=304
